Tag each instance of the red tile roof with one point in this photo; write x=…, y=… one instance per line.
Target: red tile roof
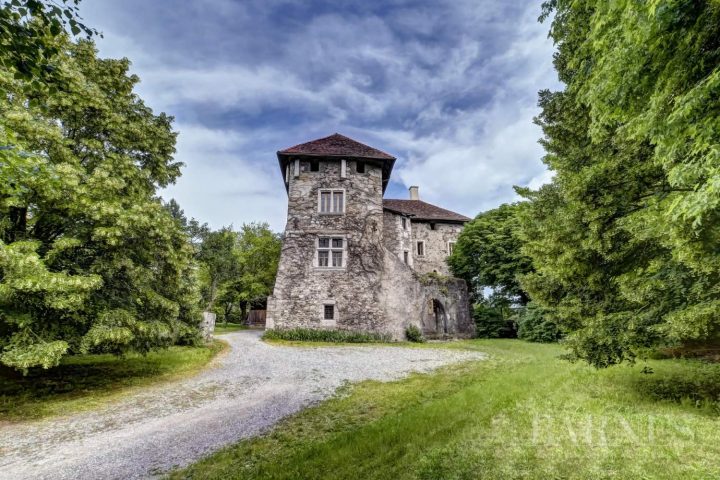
x=336, y=145
x=420, y=210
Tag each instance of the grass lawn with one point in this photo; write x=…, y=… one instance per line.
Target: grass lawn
x=523, y=413
x=221, y=328
x=88, y=381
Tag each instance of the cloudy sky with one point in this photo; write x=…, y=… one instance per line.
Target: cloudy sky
x=448, y=87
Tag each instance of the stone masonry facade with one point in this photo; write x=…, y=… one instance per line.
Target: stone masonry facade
x=350, y=259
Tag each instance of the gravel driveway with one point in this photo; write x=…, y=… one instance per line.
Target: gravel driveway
x=243, y=393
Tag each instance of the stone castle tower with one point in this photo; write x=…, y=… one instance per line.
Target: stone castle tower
x=351, y=260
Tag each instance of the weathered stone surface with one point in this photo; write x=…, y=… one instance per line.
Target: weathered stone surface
x=302, y=288
x=207, y=326
x=436, y=245
x=375, y=289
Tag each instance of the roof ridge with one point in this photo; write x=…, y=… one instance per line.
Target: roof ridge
x=336, y=144
x=423, y=210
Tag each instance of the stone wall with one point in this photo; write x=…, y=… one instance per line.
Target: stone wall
x=302, y=289
x=410, y=299
x=436, y=245
x=396, y=238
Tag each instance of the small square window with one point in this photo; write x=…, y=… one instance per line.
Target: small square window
x=336, y=242
x=360, y=166
x=324, y=242
x=314, y=165
x=432, y=226
x=329, y=312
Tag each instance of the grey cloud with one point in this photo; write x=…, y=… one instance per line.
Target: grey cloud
x=448, y=87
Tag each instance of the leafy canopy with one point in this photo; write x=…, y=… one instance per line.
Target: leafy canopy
x=487, y=253
x=90, y=260
x=624, y=240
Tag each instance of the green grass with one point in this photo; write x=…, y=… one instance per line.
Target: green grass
x=522, y=414
x=88, y=381
x=221, y=328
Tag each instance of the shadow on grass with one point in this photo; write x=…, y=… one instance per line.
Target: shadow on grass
x=80, y=381
x=690, y=382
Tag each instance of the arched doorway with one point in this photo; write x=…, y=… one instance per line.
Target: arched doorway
x=441, y=325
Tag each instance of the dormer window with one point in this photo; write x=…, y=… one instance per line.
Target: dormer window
x=332, y=202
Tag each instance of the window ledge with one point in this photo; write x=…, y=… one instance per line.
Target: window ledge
x=330, y=269
x=331, y=214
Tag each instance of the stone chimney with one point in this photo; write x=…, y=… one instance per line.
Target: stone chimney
x=414, y=193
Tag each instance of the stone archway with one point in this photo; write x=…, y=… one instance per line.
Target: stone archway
x=441, y=319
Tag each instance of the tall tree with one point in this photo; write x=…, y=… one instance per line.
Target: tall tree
x=219, y=258
x=624, y=240
x=259, y=253
x=90, y=260
x=487, y=254
x=28, y=30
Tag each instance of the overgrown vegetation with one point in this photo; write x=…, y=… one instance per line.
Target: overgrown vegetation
x=494, y=318
x=318, y=335
x=413, y=334
x=83, y=382
x=536, y=324
x=523, y=413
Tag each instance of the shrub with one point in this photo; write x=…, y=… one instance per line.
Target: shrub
x=318, y=335
x=535, y=324
x=489, y=322
x=413, y=334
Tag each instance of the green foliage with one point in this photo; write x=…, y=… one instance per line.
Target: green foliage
x=413, y=334
x=318, y=335
x=493, y=318
x=624, y=240
x=218, y=256
x=221, y=328
x=487, y=253
x=28, y=30
x=238, y=268
x=258, y=251
x=90, y=260
x=535, y=324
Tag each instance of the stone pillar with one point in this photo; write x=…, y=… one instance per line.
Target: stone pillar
x=207, y=327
